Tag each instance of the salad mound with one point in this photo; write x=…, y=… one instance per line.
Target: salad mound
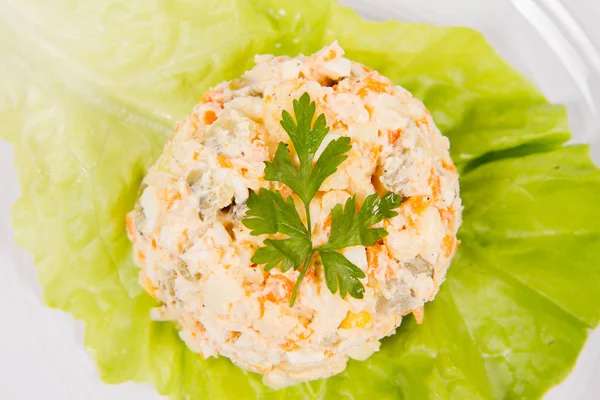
x=196, y=254
x=93, y=91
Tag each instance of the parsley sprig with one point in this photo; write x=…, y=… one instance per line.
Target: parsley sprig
x=269, y=213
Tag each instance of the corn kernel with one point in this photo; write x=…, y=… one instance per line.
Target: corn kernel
x=355, y=320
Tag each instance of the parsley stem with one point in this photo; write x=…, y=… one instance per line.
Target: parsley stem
x=301, y=277
x=308, y=222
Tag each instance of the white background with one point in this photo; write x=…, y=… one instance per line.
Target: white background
x=41, y=351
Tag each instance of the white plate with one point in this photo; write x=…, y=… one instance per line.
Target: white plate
x=554, y=43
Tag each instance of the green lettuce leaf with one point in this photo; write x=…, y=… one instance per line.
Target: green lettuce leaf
x=91, y=90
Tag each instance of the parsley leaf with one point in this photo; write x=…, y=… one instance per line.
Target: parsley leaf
x=286, y=253
x=307, y=180
x=273, y=214
x=349, y=229
x=269, y=213
x=339, y=271
x=306, y=140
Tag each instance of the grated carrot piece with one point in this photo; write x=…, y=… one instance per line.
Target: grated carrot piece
x=286, y=192
x=414, y=206
x=340, y=125
x=290, y=345
x=150, y=288
x=281, y=289
x=448, y=165
x=373, y=256
x=305, y=335
x=261, y=305
x=435, y=184
x=130, y=227
x=330, y=56
x=447, y=215
x=423, y=124
x=210, y=117
x=369, y=110
x=374, y=86
x=393, y=136
x=212, y=96
x=448, y=245
x=327, y=223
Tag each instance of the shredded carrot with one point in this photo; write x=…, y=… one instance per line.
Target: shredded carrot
x=423, y=124
x=304, y=321
x=200, y=327
x=210, y=117
x=305, y=335
x=153, y=242
x=281, y=288
x=447, y=215
x=196, y=156
x=224, y=161
x=310, y=275
x=327, y=223
x=130, y=226
x=415, y=206
x=373, y=256
x=340, y=125
x=393, y=136
x=435, y=184
x=330, y=56
x=328, y=353
x=376, y=151
x=141, y=256
x=171, y=196
x=261, y=305
x=286, y=192
x=448, y=165
x=377, y=86
x=369, y=110
x=234, y=335
x=150, y=288
x=448, y=245
x=290, y=345
x=373, y=85
x=212, y=96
